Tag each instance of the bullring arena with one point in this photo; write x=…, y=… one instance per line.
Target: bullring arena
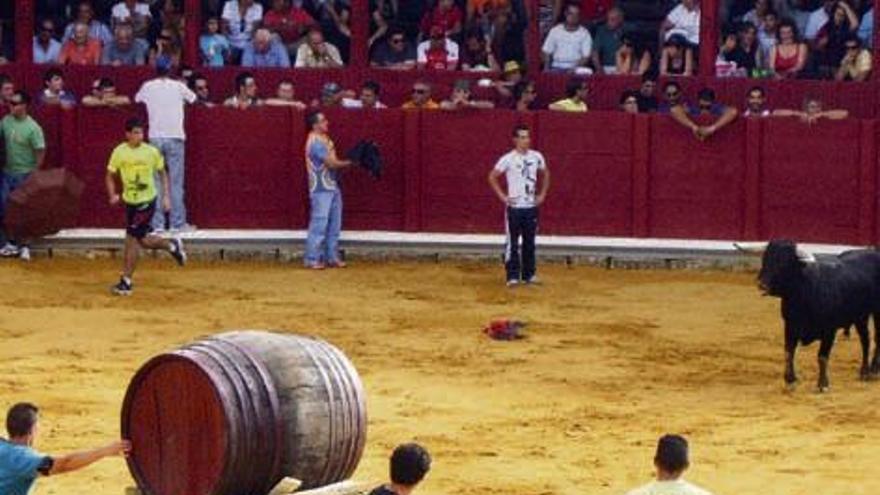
x=613, y=359
x=665, y=147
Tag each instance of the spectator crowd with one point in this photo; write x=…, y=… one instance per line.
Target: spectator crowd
x=797, y=39
x=782, y=39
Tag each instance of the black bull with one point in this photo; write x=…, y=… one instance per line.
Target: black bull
x=821, y=294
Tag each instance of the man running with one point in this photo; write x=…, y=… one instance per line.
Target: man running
x=136, y=163
x=521, y=167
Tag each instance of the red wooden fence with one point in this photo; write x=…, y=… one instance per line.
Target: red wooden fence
x=614, y=174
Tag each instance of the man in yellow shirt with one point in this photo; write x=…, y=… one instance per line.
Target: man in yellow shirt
x=135, y=164
x=576, y=97
x=856, y=64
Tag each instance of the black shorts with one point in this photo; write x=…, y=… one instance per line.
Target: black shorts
x=138, y=219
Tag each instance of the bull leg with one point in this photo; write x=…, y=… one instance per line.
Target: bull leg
x=875, y=363
x=865, y=341
x=790, y=350
x=824, y=355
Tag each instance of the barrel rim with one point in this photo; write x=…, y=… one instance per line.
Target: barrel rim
x=133, y=386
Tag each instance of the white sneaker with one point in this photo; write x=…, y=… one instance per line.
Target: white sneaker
x=185, y=228
x=10, y=250
x=24, y=254
x=533, y=280
x=512, y=282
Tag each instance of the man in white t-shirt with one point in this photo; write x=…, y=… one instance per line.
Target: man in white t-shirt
x=671, y=461
x=685, y=20
x=568, y=45
x=521, y=167
x=165, y=98
x=132, y=12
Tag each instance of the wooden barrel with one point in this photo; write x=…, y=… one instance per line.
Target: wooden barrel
x=235, y=413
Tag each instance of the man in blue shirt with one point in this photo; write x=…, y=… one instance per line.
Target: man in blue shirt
x=265, y=51
x=46, y=47
x=20, y=464
x=325, y=222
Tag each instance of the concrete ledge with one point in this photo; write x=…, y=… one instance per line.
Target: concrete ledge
x=287, y=245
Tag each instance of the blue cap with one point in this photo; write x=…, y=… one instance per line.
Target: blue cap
x=163, y=64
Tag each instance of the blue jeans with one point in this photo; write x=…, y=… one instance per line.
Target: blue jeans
x=325, y=224
x=174, y=151
x=8, y=183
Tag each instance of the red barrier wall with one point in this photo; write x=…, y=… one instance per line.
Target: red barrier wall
x=696, y=185
x=591, y=162
x=613, y=174
x=249, y=174
x=810, y=183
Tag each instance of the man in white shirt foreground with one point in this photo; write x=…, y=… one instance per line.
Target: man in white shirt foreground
x=520, y=168
x=165, y=98
x=671, y=462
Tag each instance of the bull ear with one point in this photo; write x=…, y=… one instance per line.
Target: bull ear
x=805, y=256
x=752, y=248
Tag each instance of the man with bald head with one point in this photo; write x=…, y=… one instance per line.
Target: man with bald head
x=125, y=49
x=265, y=50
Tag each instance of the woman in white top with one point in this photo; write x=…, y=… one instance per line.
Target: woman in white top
x=240, y=19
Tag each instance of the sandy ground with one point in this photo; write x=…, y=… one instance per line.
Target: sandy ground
x=614, y=359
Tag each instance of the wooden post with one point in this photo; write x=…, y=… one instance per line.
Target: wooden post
x=25, y=12
x=641, y=175
x=360, y=34
x=868, y=183
x=192, y=12
x=876, y=44
x=709, y=27
x=533, y=38
x=752, y=183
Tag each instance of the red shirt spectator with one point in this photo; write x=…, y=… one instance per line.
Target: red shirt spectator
x=445, y=16
x=437, y=59
x=594, y=9
x=289, y=22
x=80, y=49
x=438, y=52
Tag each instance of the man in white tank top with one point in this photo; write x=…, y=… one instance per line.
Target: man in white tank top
x=521, y=167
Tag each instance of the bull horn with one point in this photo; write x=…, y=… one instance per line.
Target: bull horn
x=753, y=248
x=806, y=256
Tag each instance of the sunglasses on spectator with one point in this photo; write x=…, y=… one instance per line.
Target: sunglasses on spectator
x=201, y=88
x=420, y=90
x=397, y=41
x=672, y=94
x=852, y=47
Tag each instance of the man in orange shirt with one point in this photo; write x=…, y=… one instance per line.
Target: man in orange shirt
x=421, y=98
x=80, y=49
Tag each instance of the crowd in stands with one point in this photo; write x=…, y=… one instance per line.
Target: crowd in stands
x=117, y=33
x=787, y=39
x=814, y=39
